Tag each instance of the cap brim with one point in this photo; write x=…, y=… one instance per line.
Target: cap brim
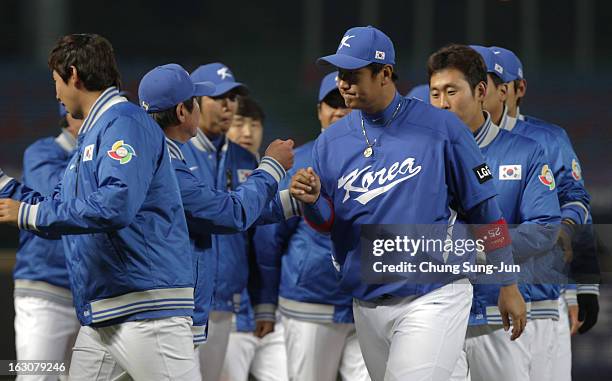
x=343, y=61
x=224, y=87
x=204, y=89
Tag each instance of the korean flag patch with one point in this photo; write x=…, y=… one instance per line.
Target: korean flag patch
x=243, y=174
x=510, y=172
x=88, y=152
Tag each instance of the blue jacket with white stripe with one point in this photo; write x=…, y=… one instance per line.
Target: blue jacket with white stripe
x=529, y=204
x=40, y=265
x=573, y=198
x=585, y=266
x=209, y=210
x=225, y=169
x=120, y=215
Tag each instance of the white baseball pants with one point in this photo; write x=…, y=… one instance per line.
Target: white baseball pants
x=152, y=349
x=212, y=352
x=44, y=330
x=265, y=359
x=414, y=338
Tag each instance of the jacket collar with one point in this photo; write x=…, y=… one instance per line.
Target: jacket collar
x=108, y=98
x=485, y=134
x=175, y=150
x=201, y=142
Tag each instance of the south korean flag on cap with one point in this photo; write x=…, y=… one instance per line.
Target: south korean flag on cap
x=510, y=172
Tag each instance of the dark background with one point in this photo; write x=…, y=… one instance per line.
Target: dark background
x=271, y=46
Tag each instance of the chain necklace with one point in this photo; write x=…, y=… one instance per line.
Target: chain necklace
x=370, y=147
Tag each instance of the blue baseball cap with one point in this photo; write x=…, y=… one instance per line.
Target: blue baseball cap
x=62, y=110
x=221, y=76
x=493, y=62
x=168, y=85
x=329, y=83
x=420, y=92
x=359, y=47
x=512, y=64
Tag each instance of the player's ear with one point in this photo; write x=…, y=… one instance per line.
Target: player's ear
x=180, y=112
x=503, y=91
x=74, y=77
x=481, y=91
x=387, y=76
x=521, y=89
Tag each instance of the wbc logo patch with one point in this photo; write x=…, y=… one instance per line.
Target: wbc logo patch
x=576, y=170
x=121, y=152
x=546, y=177
x=88, y=153
x=510, y=172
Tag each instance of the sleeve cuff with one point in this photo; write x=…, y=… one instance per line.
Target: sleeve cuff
x=587, y=289
x=26, y=218
x=576, y=211
x=570, y=297
x=265, y=312
x=4, y=179
x=291, y=206
x=273, y=168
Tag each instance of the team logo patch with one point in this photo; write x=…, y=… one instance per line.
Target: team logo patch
x=243, y=174
x=547, y=178
x=483, y=173
x=88, y=153
x=121, y=152
x=510, y=172
x=576, y=170
x=368, y=183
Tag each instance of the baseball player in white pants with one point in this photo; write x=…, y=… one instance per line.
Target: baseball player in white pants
x=44, y=330
x=264, y=358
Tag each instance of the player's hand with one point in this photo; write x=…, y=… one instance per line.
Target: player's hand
x=588, y=309
x=263, y=327
x=565, y=242
x=281, y=151
x=9, y=211
x=513, y=310
x=305, y=186
x=572, y=313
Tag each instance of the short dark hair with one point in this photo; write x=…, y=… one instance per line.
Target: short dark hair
x=168, y=118
x=91, y=55
x=334, y=99
x=249, y=108
x=462, y=58
x=376, y=68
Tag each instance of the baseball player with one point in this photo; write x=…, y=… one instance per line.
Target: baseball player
x=247, y=125
x=396, y=160
x=583, y=240
x=226, y=165
x=208, y=210
x=45, y=321
x=458, y=78
x=256, y=344
x=317, y=314
x=118, y=210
